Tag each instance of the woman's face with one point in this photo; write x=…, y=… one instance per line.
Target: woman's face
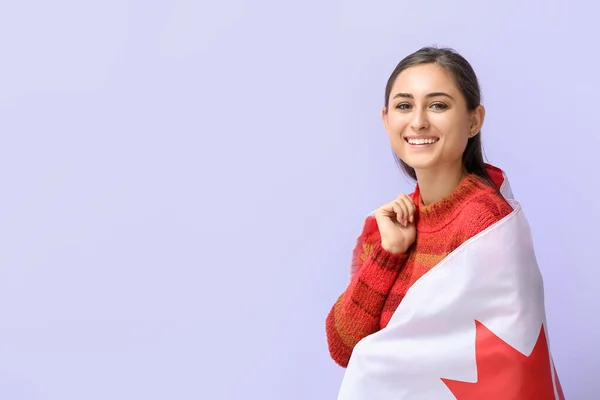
x=427, y=118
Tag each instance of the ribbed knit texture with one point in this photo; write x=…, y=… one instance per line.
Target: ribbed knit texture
x=382, y=279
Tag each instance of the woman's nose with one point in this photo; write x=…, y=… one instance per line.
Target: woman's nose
x=420, y=121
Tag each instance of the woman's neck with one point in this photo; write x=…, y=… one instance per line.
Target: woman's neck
x=436, y=184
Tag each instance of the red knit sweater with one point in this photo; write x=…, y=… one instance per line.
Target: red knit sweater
x=382, y=279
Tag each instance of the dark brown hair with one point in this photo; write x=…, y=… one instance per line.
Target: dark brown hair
x=466, y=80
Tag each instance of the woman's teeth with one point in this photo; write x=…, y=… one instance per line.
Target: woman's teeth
x=421, y=141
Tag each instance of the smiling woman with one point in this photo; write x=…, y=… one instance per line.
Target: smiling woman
x=434, y=94
x=433, y=117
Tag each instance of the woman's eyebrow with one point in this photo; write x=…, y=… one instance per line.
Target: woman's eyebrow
x=433, y=94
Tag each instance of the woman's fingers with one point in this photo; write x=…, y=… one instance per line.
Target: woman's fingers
x=408, y=205
x=400, y=212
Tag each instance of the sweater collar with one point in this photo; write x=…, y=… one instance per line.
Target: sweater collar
x=435, y=216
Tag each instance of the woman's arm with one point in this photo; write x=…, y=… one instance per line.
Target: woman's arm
x=356, y=314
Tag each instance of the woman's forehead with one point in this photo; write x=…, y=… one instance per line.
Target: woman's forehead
x=424, y=79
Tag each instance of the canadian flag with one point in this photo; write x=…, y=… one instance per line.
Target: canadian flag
x=473, y=327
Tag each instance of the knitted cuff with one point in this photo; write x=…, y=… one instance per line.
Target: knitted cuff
x=387, y=260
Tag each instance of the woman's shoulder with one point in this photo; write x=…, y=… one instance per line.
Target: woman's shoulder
x=484, y=209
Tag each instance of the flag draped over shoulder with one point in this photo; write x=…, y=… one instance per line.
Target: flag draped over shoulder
x=473, y=327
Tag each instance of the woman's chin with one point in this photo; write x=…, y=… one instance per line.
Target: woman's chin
x=420, y=162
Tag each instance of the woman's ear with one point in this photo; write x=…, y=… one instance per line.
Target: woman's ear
x=384, y=118
x=477, y=119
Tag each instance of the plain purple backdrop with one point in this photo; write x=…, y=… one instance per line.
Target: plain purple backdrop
x=182, y=182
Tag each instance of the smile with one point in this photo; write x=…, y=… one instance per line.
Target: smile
x=421, y=141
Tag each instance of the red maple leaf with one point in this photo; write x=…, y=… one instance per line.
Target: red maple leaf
x=505, y=373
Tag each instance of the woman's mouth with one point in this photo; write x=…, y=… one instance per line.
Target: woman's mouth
x=420, y=141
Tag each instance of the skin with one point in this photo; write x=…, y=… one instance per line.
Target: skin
x=425, y=103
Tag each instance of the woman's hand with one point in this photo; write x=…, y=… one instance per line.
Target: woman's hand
x=395, y=221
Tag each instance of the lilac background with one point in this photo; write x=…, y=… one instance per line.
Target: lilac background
x=182, y=182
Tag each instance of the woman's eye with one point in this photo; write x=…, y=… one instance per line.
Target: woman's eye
x=439, y=106
x=403, y=106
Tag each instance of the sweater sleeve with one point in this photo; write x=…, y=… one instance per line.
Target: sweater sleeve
x=356, y=313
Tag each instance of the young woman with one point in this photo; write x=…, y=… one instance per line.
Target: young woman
x=433, y=117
